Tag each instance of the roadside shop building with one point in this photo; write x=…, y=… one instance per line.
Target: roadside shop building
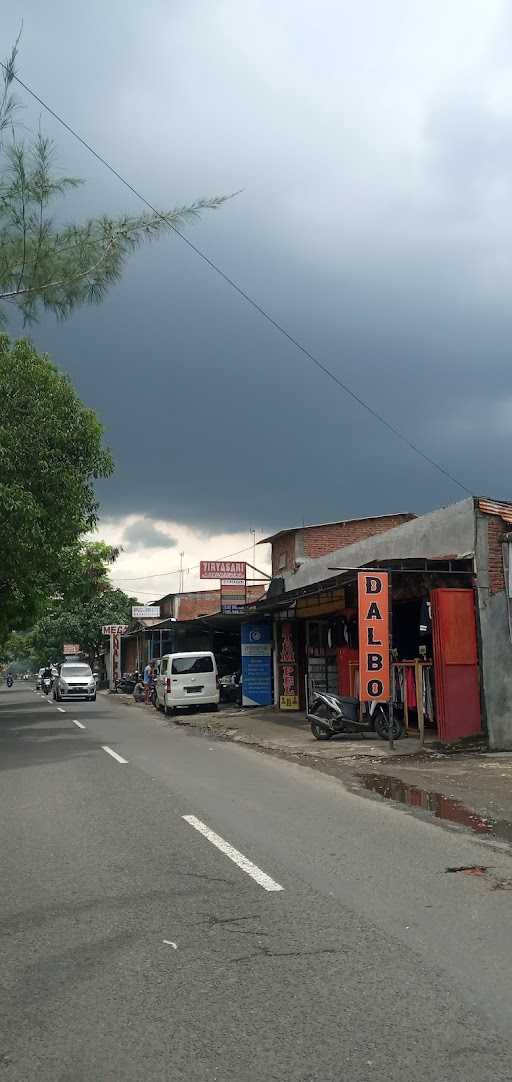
x=452, y=650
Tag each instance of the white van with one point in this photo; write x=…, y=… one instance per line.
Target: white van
x=188, y=679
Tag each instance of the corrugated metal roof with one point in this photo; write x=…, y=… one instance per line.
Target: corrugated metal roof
x=408, y=515
x=496, y=507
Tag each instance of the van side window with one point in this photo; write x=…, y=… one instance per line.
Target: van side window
x=162, y=668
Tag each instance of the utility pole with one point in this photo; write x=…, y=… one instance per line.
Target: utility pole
x=253, y=532
x=181, y=581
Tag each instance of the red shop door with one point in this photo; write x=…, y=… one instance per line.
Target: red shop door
x=455, y=664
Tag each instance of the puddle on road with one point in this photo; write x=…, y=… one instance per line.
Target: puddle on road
x=439, y=805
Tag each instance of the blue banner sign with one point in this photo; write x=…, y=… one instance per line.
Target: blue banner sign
x=257, y=664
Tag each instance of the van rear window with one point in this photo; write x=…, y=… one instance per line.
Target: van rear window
x=182, y=665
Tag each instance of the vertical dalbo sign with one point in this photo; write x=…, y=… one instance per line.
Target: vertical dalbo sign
x=256, y=664
x=373, y=597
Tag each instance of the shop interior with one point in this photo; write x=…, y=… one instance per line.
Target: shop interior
x=331, y=641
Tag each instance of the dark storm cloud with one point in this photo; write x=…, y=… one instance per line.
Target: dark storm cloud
x=144, y=535
x=375, y=159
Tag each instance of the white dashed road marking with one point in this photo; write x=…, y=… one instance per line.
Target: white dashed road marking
x=114, y=754
x=61, y=710
x=79, y=723
x=246, y=865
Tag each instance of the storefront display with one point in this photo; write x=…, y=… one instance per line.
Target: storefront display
x=288, y=668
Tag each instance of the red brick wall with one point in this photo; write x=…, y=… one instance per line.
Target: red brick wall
x=256, y=592
x=283, y=546
x=320, y=540
x=202, y=603
x=206, y=602
x=496, y=530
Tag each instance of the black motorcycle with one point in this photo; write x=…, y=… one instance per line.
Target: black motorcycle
x=9, y=681
x=47, y=685
x=126, y=683
x=332, y=715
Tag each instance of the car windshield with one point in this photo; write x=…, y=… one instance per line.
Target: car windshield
x=181, y=665
x=75, y=670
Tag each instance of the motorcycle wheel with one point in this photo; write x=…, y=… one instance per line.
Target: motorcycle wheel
x=318, y=732
x=382, y=725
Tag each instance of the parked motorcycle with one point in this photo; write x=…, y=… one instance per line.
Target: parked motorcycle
x=230, y=688
x=126, y=683
x=331, y=715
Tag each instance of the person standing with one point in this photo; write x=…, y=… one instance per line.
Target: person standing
x=148, y=679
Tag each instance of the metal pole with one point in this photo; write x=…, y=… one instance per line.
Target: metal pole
x=418, y=672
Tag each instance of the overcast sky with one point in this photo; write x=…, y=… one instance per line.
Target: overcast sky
x=373, y=144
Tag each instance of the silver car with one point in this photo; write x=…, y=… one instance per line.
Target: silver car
x=75, y=681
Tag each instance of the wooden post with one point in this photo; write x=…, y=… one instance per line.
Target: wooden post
x=391, y=743
x=419, y=700
x=406, y=704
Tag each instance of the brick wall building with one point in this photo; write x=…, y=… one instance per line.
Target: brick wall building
x=194, y=603
x=290, y=548
x=497, y=531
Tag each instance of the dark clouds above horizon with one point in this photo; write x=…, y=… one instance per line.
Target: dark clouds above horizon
x=373, y=145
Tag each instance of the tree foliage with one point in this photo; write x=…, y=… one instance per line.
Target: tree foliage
x=42, y=264
x=82, y=601
x=83, y=572
x=50, y=453
x=18, y=652
x=81, y=624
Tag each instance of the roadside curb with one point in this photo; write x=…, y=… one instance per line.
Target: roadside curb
x=235, y=736
x=221, y=729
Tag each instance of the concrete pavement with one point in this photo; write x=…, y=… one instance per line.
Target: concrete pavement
x=476, y=782
x=133, y=948
x=273, y=730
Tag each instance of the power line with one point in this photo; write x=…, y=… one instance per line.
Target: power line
x=246, y=296
x=177, y=570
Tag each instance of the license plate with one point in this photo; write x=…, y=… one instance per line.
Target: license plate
x=192, y=691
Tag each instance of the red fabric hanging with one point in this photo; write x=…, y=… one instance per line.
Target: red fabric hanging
x=410, y=685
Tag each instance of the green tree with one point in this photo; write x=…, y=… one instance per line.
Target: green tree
x=50, y=453
x=57, y=267
x=84, y=572
x=83, y=600
x=80, y=625
x=18, y=653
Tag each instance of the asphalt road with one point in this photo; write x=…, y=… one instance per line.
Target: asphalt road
x=134, y=948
